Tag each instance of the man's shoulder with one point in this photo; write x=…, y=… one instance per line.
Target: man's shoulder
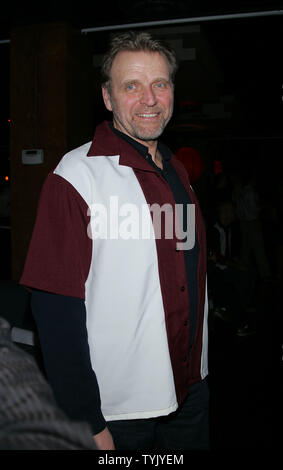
x=72, y=159
x=72, y=168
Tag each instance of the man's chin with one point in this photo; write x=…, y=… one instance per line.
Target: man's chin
x=149, y=138
x=149, y=135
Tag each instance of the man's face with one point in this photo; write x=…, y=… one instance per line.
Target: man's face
x=141, y=94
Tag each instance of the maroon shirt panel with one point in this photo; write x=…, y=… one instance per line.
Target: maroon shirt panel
x=173, y=280
x=194, y=366
x=59, y=254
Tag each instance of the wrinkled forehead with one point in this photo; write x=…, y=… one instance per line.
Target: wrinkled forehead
x=134, y=64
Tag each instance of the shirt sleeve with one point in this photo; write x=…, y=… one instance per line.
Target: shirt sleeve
x=59, y=254
x=56, y=270
x=61, y=324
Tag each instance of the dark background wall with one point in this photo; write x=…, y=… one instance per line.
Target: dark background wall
x=50, y=109
x=228, y=94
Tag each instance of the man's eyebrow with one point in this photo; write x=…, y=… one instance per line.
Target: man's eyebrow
x=137, y=80
x=130, y=80
x=161, y=79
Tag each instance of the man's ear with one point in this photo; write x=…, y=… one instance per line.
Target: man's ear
x=106, y=97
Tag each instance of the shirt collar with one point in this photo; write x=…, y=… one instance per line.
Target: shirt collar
x=109, y=141
x=142, y=149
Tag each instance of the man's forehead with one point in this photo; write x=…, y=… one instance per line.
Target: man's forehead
x=131, y=61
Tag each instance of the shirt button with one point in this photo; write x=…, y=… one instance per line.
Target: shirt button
x=186, y=323
x=182, y=288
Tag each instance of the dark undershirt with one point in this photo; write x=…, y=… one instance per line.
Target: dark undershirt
x=61, y=322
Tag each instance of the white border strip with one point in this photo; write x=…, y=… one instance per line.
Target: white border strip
x=196, y=19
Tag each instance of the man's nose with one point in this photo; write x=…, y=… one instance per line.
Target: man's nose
x=148, y=96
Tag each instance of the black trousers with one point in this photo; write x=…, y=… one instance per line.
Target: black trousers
x=185, y=429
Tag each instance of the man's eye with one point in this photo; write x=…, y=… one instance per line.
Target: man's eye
x=160, y=85
x=131, y=86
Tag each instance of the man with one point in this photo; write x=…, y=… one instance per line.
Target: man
x=122, y=316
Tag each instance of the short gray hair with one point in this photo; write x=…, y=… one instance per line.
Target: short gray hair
x=134, y=42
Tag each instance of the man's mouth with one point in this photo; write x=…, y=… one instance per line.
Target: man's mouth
x=147, y=115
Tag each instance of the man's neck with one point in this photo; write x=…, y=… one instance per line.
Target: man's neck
x=150, y=144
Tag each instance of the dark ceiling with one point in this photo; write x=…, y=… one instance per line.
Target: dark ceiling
x=90, y=14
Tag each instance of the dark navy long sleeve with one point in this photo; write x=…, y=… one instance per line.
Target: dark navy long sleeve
x=61, y=324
